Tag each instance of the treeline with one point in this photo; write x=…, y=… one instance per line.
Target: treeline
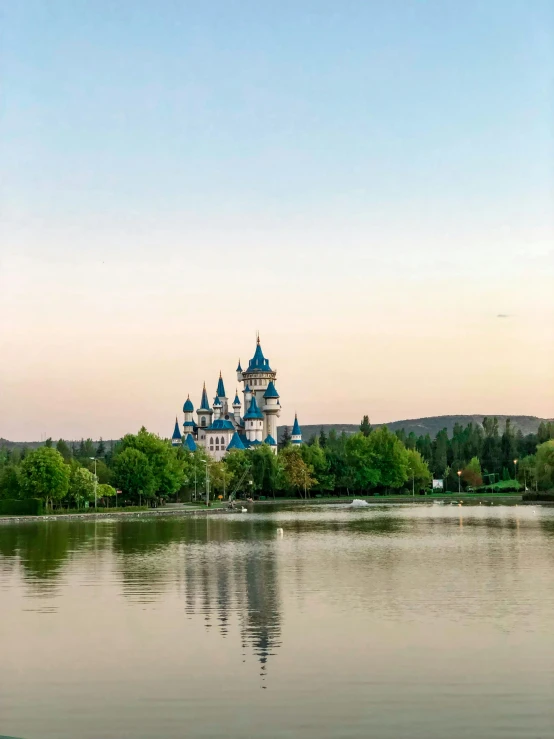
x=147, y=469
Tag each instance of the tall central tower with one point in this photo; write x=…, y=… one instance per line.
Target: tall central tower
x=260, y=379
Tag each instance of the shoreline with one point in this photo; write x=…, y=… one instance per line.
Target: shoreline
x=494, y=498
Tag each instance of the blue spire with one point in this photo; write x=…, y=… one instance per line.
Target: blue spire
x=271, y=391
x=189, y=443
x=247, y=388
x=258, y=361
x=235, y=443
x=220, y=388
x=254, y=411
x=188, y=407
x=239, y=368
x=270, y=440
x=204, y=403
x=217, y=401
x=296, y=431
x=236, y=401
x=176, y=433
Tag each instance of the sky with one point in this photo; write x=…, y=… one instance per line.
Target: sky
x=370, y=185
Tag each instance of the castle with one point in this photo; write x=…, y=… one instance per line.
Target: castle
x=222, y=427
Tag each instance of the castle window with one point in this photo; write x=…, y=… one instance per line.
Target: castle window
x=203, y=421
x=212, y=441
x=217, y=448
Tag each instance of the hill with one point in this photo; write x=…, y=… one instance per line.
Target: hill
x=421, y=426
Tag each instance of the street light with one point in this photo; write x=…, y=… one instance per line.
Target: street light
x=459, y=481
x=207, y=483
x=515, y=471
x=95, y=484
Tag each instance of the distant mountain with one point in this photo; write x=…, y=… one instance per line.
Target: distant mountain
x=422, y=426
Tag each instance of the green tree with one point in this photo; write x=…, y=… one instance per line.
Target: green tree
x=48, y=442
x=316, y=458
x=440, y=452
x=322, y=438
x=390, y=457
x=509, y=447
x=362, y=470
x=417, y=470
x=167, y=466
x=133, y=474
x=285, y=438
x=10, y=484
x=491, y=458
x=106, y=492
x=365, y=426
x=44, y=475
x=81, y=485
x=239, y=464
x=544, y=464
x=471, y=474
x=63, y=448
x=266, y=470
x=297, y=474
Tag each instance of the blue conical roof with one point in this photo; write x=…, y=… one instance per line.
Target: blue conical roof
x=220, y=387
x=217, y=401
x=235, y=443
x=270, y=440
x=189, y=443
x=271, y=391
x=258, y=361
x=239, y=368
x=296, y=431
x=236, y=401
x=204, y=403
x=247, y=388
x=253, y=411
x=188, y=407
x=176, y=432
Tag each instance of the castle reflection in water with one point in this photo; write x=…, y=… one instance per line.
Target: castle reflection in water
x=224, y=568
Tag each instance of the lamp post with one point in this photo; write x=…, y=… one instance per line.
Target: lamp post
x=515, y=472
x=95, y=483
x=459, y=481
x=207, y=484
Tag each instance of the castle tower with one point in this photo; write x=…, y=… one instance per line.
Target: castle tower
x=218, y=407
x=205, y=414
x=254, y=423
x=257, y=376
x=221, y=395
x=176, y=439
x=239, y=372
x=188, y=410
x=247, y=396
x=296, y=436
x=236, y=408
x=271, y=410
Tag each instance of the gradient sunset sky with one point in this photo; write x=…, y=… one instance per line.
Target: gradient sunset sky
x=368, y=184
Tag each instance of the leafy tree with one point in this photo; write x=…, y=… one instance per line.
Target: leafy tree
x=166, y=465
x=44, y=475
x=544, y=464
x=298, y=475
x=48, y=442
x=266, y=469
x=63, y=448
x=440, y=452
x=365, y=426
x=417, y=469
x=390, y=457
x=239, y=464
x=491, y=459
x=315, y=457
x=81, y=485
x=10, y=484
x=285, y=438
x=424, y=446
x=361, y=464
x=471, y=474
x=322, y=438
x=220, y=478
x=101, y=449
x=508, y=446
x=133, y=473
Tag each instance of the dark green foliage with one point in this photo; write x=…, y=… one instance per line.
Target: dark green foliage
x=26, y=507
x=285, y=438
x=365, y=426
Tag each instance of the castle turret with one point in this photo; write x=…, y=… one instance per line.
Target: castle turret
x=236, y=408
x=220, y=392
x=188, y=410
x=254, y=423
x=189, y=443
x=239, y=372
x=205, y=413
x=217, y=408
x=247, y=396
x=270, y=441
x=296, y=436
x=271, y=409
x=176, y=439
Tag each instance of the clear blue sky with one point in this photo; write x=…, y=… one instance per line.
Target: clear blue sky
x=347, y=155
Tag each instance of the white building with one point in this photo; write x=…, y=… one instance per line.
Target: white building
x=220, y=428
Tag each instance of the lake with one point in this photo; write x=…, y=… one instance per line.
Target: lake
x=388, y=622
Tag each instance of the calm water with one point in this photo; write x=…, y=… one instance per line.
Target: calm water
x=423, y=621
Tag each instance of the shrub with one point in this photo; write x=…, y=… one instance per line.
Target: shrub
x=538, y=497
x=27, y=507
